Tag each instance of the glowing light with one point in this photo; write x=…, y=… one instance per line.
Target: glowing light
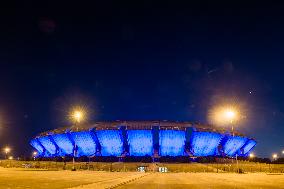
x=230, y=114
x=10, y=157
x=283, y=152
x=7, y=150
x=78, y=114
x=274, y=156
x=34, y=153
x=224, y=115
x=251, y=155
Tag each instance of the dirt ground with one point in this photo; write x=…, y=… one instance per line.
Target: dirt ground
x=11, y=178
x=208, y=180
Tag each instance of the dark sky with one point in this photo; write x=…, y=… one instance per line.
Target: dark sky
x=140, y=61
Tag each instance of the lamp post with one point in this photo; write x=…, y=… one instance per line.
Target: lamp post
x=274, y=156
x=230, y=115
x=77, y=116
x=34, y=155
x=251, y=155
x=7, y=150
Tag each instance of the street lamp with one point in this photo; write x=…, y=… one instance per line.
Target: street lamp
x=274, y=156
x=226, y=115
x=7, y=150
x=77, y=116
x=34, y=154
x=230, y=116
x=251, y=155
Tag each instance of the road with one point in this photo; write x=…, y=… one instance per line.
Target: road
x=206, y=180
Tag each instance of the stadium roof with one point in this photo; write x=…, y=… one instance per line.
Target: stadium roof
x=164, y=124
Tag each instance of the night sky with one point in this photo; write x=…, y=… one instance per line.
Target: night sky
x=141, y=61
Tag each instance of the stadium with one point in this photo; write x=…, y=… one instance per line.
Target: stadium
x=142, y=138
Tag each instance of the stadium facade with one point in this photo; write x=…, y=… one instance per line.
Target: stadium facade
x=142, y=138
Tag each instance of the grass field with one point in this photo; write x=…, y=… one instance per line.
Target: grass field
x=11, y=178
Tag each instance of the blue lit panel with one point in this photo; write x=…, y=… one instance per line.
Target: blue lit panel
x=111, y=142
x=64, y=143
x=85, y=143
x=140, y=142
x=37, y=146
x=233, y=144
x=205, y=143
x=249, y=146
x=48, y=144
x=172, y=142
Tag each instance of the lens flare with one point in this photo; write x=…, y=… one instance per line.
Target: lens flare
x=78, y=114
x=227, y=113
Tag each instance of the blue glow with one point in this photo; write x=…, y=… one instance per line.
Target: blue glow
x=85, y=143
x=64, y=143
x=111, y=142
x=140, y=142
x=37, y=146
x=172, y=142
x=249, y=146
x=205, y=143
x=233, y=144
x=48, y=144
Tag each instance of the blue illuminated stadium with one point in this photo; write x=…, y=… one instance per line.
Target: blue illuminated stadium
x=140, y=142
x=172, y=142
x=142, y=138
x=205, y=143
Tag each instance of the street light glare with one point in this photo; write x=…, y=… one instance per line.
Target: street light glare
x=251, y=155
x=230, y=114
x=7, y=150
x=78, y=115
x=274, y=156
x=224, y=115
